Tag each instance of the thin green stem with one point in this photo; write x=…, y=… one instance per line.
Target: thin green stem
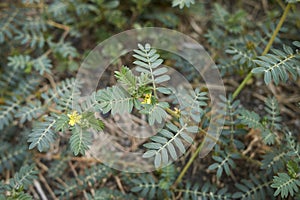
x=266, y=50
x=186, y=167
x=277, y=29
x=235, y=94
x=242, y=85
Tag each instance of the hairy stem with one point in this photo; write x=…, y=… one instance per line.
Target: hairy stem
x=267, y=48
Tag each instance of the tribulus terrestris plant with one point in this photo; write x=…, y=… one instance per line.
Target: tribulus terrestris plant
x=47, y=131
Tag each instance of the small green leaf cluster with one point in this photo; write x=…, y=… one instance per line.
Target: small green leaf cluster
x=279, y=65
x=268, y=125
x=20, y=182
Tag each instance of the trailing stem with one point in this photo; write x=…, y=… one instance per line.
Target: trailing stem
x=266, y=50
x=186, y=167
x=236, y=92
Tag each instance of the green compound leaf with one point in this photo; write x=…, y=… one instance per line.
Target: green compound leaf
x=148, y=62
x=278, y=65
x=80, y=140
x=62, y=122
x=156, y=113
x=43, y=134
x=90, y=121
x=115, y=99
x=285, y=185
x=169, y=144
x=24, y=178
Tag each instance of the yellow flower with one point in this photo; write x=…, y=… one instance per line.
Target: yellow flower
x=74, y=118
x=147, y=99
x=177, y=111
